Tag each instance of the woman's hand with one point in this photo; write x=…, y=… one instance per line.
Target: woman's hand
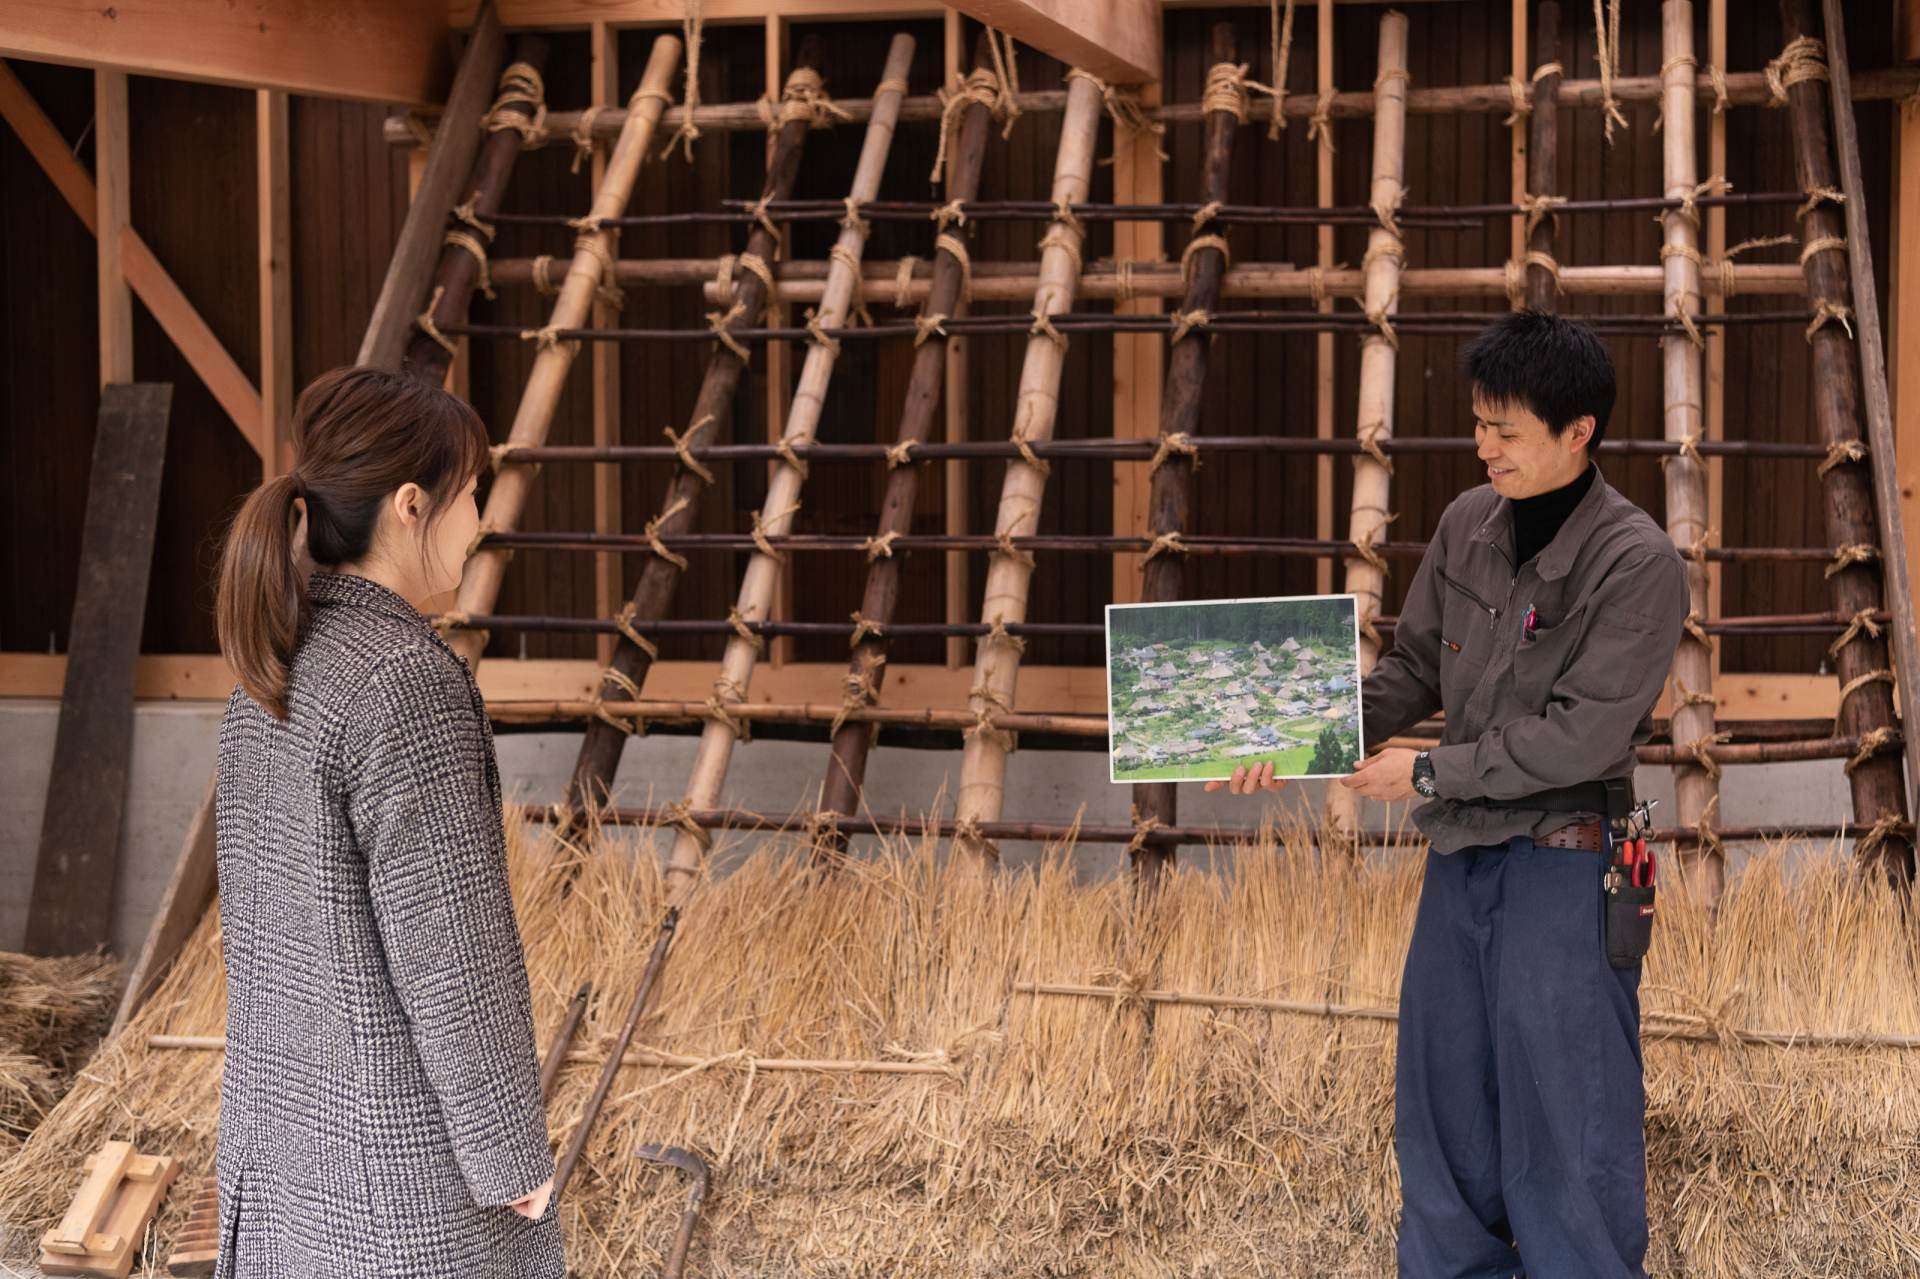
x=535, y=1204
x=1246, y=780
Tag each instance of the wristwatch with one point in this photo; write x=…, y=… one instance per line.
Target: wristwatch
x=1423, y=774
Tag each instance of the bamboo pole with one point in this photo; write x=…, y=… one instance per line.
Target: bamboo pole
x=593, y=250
x=1696, y=784
x=866, y=673
x=1009, y=571
x=1323, y=364
x=397, y=331
x=803, y=280
x=1542, y=271
x=1743, y=89
x=1716, y=371
x=783, y=492
x=1386, y=253
x=1170, y=476
x=1861, y=659
x=605, y=738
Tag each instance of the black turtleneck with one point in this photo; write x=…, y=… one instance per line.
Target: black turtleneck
x=1536, y=519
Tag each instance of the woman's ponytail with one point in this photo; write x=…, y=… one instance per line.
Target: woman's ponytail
x=262, y=602
x=358, y=434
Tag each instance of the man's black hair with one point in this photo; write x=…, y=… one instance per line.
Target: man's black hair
x=1556, y=368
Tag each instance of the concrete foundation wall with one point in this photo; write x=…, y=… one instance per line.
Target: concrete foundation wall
x=174, y=744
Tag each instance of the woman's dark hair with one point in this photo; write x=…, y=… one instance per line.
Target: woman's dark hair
x=358, y=435
x=1556, y=368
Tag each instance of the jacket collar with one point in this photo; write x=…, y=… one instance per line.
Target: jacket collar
x=325, y=588
x=1557, y=557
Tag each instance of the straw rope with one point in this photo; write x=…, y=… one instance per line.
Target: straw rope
x=623, y=622
x=1838, y=452
x=981, y=86
x=1873, y=741
x=652, y=533
x=1853, y=553
x=1281, y=30
x=519, y=85
x=1861, y=624
x=1320, y=123
x=1172, y=442
x=1008, y=71
x=583, y=137
x=1129, y=116
x=804, y=98
x=692, y=20
x=1606, y=40
x=1802, y=59
x=432, y=330
x=683, y=446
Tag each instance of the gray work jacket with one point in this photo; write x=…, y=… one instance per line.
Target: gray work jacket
x=1565, y=704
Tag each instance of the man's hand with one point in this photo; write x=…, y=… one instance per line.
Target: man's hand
x=1246, y=780
x=1386, y=776
x=535, y=1204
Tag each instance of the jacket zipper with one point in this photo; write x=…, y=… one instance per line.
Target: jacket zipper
x=1462, y=588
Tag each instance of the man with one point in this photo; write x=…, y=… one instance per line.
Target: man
x=1543, y=620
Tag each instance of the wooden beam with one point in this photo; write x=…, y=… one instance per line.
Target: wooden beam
x=377, y=50
x=1117, y=40
x=78, y=865
x=276, y=281
x=149, y=280
x=456, y=139
x=198, y=677
x=550, y=15
x=112, y=211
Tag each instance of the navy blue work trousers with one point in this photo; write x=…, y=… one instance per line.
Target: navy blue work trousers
x=1519, y=1113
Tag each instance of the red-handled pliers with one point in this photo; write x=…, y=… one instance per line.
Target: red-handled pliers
x=1638, y=860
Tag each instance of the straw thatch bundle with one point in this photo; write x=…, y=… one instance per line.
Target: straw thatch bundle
x=971, y=1127
x=52, y=1014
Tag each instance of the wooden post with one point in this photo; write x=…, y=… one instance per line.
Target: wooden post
x=450, y=161
x=1696, y=785
x=276, y=281
x=853, y=740
x=1164, y=570
x=1866, y=704
x=1138, y=358
x=1873, y=373
x=609, y=582
x=426, y=354
x=1386, y=255
x=591, y=265
x=983, y=764
x=605, y=737
x=1716, y=386
x=1543, y=278
x=779, y=355
x=112, y=195
x=1323, y=366
x=79, y=860
x=783, y=493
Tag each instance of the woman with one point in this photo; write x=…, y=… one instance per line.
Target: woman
x=380, y=1110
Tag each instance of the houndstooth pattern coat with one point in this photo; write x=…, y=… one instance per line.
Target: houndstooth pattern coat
x=380, y=1103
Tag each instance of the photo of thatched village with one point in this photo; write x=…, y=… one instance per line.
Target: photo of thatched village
x=1196, y=689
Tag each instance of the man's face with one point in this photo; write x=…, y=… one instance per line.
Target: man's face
x=1523, y=458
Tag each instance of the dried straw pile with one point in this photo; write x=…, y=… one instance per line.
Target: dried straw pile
x=1048, y=1135
x=52, y=1014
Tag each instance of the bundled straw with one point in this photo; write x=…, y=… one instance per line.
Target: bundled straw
x=52, y=1014
x=967, y=1126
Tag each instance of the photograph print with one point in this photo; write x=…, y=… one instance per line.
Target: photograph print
x=1198, y=688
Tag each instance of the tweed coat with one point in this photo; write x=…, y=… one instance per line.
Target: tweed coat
x=380, y=1103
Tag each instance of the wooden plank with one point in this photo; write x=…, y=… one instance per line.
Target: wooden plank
x=1117, y=40
x=1139, y=359
x=378, y=50
x=1873, y=377
x=609, y=585
x=449, y=162
x=72, y=904
x=276, y=281
x=142, y=271
x=112, y=202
